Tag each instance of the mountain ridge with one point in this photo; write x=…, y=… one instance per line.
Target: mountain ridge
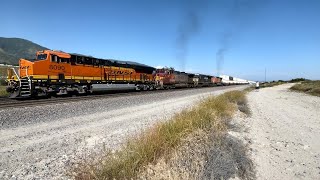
x=12, y=49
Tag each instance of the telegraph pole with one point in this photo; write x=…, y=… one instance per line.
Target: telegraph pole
x=265, y=75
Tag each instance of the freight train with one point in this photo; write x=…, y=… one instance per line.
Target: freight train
x=229, y=80
x=57, y=73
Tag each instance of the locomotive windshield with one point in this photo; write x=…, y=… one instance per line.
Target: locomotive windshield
x=42, y=56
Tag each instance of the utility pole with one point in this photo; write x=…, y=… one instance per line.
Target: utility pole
x=265, y=75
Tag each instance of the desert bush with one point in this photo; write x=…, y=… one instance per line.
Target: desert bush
x=310, y=87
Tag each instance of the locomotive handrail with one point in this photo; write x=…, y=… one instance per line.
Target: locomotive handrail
x=29, y=81
x=27, y=72
x=16, y=75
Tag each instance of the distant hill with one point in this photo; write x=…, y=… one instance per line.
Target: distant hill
x=12, y=49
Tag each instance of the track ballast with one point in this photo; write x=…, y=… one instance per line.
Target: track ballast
x=6, y=103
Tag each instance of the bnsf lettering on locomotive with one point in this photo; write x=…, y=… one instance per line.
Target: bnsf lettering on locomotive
x=111, y=72
x=119, y=72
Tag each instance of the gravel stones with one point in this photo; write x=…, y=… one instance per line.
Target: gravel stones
x=42, y=142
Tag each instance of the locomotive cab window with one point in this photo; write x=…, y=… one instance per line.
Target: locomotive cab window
x=54, y=58
x=41, y=57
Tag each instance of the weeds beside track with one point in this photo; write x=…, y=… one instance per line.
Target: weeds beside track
x=309, y=87
x=271, y=84
x=211, y=115
x=3, y=91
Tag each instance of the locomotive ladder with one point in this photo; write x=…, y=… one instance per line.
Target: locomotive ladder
x=25, y=87
x=25, y=83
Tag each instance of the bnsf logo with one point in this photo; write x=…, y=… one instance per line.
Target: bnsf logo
x=56, y=67
x=119, y=72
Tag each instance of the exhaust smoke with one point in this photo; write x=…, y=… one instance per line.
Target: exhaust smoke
x=239, y=14
x=188, y=28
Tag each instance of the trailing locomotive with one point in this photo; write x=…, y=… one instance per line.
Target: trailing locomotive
x=56, y=73
x=167, y=78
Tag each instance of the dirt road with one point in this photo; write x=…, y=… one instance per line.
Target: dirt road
x=285, y=133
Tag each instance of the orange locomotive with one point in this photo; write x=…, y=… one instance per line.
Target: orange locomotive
x=167, y=78
x=216, y=80
x=60, y=73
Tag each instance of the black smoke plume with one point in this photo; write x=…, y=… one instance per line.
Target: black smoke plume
x=188, y=28
x=239, y=15
x=224, y=45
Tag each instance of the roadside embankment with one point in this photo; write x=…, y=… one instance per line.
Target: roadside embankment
x=309, y=87
x=271, y=84
x=193, y=144
x=264, y=85
x=283, y=132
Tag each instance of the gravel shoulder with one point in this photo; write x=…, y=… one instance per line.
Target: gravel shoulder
x=284, y=130
x=40, y=142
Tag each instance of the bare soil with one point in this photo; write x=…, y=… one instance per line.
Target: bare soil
x=284, y=130
x=279, y=140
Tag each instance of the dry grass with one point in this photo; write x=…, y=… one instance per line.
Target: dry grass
x=271, y=84
x=162, y=139
x=264, y=85
x=3, y=91
x=309, y=87
x=204, y=155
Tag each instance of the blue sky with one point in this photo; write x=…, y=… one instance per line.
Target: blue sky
x=282, y=36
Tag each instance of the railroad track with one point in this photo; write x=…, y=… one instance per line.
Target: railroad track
x=6, y=103
x=53, y=100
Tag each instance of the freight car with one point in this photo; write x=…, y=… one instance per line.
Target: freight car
x=59, y=73
x=229, y=80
